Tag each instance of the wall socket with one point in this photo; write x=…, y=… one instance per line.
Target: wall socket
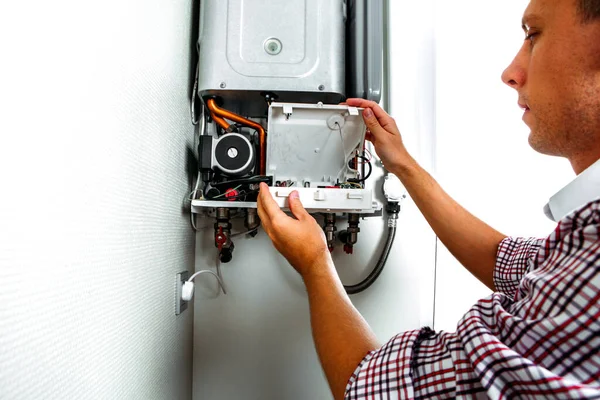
x=180, y=305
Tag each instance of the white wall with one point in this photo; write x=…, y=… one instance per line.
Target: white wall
x=255, y=342
x=482, y=156
x=94, y=135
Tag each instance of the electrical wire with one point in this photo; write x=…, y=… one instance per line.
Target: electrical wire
x=193, y=221
x=241, y=194
x=358, y=185
x=201, y=131
x=254, y=179
x=194, y=97
x=206, y=271
x=244, y=233
x=361, y=180
x=192, y=196
x=342, y=139
x=221, y=281
x=193, y=193
x=245, y=194
x=224, y=194
x=345, y=164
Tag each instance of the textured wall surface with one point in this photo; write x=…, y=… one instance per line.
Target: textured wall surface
x=93, y=164
x=255, y=342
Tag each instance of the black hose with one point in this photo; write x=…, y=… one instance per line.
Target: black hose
x=369, y=280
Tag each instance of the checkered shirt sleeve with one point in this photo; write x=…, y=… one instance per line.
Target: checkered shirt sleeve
x=537, y=337
x=514, y=259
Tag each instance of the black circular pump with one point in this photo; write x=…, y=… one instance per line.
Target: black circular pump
x=234, y=155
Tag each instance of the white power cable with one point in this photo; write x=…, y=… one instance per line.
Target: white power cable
x=345, y=163
x=193, y=195
x=187, y=291
x=194, y=96
x=219, y=276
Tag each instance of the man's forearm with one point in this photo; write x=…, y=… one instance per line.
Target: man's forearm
x=470, y=240
x=342, y=337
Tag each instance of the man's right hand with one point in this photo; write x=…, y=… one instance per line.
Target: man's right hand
x=383, y=132
x=470, y=240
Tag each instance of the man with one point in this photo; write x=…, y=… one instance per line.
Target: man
x=538, y=334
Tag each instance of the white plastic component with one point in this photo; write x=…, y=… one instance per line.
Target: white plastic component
x=328, y=200
x=393, y=189
x=336, y=122
x=356, y=196
x=199, y=206
x=180, y=303
x=312, y=143
x=353, y=111
x=187, y=291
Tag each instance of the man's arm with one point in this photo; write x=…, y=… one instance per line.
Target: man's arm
x=470, y=240
x=342, y=337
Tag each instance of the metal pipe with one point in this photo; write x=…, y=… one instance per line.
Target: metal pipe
x=262, y=136
x=369, y=280
x=351, y=236
x=223, y=234
x=330, y=229
x=220, y=121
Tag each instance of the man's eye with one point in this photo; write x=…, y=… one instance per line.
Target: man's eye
x=531, y=37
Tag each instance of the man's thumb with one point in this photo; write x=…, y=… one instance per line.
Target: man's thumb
x=372, y=122
x=296, y=206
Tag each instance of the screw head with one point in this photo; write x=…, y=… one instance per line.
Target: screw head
x=223, y=85
x=273, y=46
x=232, y=152
x=321, y=87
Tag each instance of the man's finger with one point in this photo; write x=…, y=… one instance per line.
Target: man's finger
x=296, y=206
x=264, y=219
x=264, y=201
x=384, y=118
x=373, y=124
x=267, y=202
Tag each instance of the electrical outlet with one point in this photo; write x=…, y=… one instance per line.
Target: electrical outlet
x=180, y=305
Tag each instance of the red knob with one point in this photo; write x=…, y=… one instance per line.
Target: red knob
x=220, y=238
x=349, y=249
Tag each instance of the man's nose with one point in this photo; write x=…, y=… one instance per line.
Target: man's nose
x=515, y=74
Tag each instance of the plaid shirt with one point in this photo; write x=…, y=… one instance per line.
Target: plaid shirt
x=538, y=337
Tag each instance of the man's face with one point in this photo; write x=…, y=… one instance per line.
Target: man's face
x=557, y=76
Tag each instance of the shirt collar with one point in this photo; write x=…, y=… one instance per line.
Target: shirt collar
x=583, y=189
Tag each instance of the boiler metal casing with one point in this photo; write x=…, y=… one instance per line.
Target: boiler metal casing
x=293, y=49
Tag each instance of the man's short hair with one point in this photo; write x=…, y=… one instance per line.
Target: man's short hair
x=589, y=9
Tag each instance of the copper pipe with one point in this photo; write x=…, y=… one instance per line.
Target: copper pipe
x=220, y=121
x=262, y=136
